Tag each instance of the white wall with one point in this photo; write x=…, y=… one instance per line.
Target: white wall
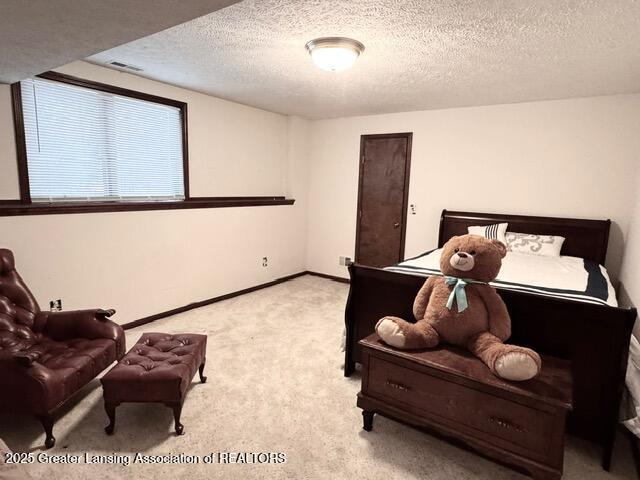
x=629, y=276
x=566, y=158
x=143, y=263
x=298, y=181
x=558, y=158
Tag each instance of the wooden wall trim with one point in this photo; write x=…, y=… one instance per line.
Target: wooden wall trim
x=21, y=145
x=330, y=277
x=9, y=208
x=104, y=87
x=185, y=151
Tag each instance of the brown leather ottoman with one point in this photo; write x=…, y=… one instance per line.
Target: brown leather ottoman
x=158, y=369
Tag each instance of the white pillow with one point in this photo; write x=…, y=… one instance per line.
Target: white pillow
x=544, y=245
x=495, y=232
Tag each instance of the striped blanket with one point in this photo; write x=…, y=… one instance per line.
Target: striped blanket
x=562, y=277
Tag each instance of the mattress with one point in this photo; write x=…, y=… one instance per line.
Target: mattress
x=565, y=277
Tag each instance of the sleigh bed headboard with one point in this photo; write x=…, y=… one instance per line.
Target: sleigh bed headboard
x=583, y=238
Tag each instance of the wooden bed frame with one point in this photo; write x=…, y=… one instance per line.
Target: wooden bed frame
x=594, y=338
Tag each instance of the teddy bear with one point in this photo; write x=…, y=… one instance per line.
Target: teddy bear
x=461, y=308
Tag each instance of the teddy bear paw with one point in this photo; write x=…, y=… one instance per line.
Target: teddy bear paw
x=390, y=332
x=516, y=366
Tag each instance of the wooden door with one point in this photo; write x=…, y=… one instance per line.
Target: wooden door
x=382, y=198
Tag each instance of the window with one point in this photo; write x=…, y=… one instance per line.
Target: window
x=89, y=142
x=85, y=147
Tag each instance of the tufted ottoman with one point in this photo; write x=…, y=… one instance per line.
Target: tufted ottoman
x=158, y=369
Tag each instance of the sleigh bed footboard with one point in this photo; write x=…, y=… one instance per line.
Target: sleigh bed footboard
x=594, y=338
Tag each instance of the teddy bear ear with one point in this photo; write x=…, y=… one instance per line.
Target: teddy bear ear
x=502, y=248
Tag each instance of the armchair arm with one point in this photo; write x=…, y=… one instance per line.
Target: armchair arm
x=22, y=357
x=26, y=359
x=89, y=324
x=30, y=387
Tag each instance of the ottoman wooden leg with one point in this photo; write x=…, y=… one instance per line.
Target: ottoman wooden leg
x=203, y=379
x=47, y=423
x=177, y=410
x=110, y=408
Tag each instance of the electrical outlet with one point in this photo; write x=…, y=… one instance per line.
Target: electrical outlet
x=346, y=261
x=55, y=305
x=412, y=209
x=265, y=262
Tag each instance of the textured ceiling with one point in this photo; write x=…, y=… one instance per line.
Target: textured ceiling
x=38, y=35
x=419, y=54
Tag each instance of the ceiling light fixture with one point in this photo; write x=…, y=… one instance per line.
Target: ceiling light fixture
x=334, y=54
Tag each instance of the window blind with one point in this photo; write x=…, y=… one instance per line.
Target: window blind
x=88, y=145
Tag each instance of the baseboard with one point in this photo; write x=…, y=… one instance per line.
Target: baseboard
x=209, y=301
x=330, y=277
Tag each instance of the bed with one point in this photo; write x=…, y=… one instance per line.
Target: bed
x=583, y=325
x=567, y=277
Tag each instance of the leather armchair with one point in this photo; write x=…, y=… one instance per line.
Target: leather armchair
x=46, y=357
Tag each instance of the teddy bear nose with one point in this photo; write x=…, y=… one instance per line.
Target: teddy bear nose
x=462, y=255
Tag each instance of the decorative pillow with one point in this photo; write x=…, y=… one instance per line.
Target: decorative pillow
x=544, y=245
x=494, y=232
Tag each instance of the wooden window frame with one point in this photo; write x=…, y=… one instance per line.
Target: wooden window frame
x=25, y=206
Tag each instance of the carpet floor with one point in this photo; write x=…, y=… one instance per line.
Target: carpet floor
x=275, y=385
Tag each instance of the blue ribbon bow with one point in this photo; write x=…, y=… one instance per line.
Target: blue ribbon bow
x=458, y=293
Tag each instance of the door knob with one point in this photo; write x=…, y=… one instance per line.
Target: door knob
x=396, y=225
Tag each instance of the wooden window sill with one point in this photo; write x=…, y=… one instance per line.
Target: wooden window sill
x=10, y=208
